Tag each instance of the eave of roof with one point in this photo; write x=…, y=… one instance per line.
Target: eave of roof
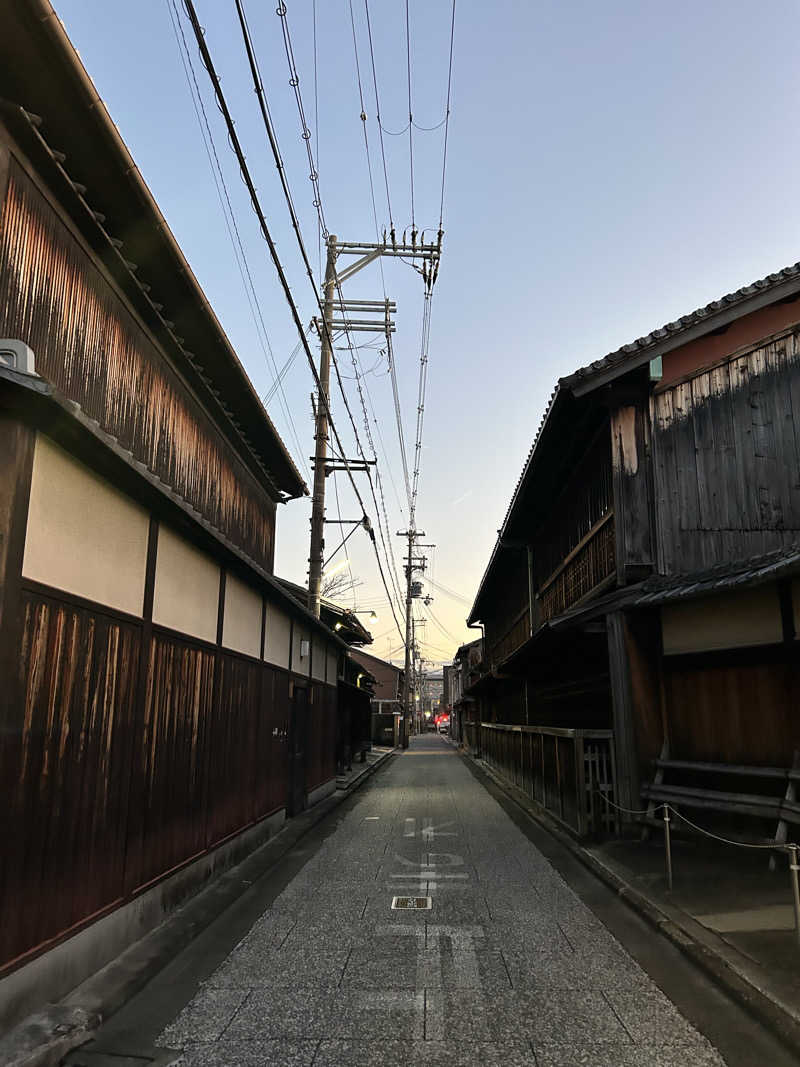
x=775, y=287
x=724, y=577
x=784, y=283
x=358, y=652
x=41, y=72
x=66, y=422
x=348, y=620
x=547, y=419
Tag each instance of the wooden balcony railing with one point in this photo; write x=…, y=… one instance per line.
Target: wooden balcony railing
x=590, y=563
x=516, y=635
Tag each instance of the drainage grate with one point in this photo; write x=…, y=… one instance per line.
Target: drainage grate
x=411, y=903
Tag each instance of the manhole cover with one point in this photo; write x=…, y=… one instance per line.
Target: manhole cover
x=411, y=903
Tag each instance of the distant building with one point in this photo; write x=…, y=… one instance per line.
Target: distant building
x=387, y=699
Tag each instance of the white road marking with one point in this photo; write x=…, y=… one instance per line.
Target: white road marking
x=401, y=1001
x=429, y=831
x=434, y=1016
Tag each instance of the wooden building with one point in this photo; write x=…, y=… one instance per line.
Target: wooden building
x=464, y=709
x=164, y=701
x=387, y=696
x=642, y=604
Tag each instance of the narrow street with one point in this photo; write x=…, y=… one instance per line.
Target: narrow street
x=508, y=967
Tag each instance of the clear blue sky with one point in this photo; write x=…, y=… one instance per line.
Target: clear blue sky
x=611, y=167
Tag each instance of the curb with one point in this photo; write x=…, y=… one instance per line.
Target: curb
x=348, y=785
x=767, y=1011
x=45, y=1038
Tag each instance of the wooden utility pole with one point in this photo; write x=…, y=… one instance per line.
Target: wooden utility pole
x=317, y=554
x=377, y=318
x=412, y=536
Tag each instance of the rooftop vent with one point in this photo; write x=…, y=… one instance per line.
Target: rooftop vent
x=17, y=355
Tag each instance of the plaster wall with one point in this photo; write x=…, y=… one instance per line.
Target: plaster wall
x=83, y=535
x=186, y=594
x=241, y=627
x=277, y=639
x=738, y=620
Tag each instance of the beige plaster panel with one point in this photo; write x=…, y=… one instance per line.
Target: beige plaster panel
x=187, y=587
x=333, y=667
x=300, y=663
x=241, y=623
x=735, y=620
x=84, y=536
x=277, y=639
x=318, y=660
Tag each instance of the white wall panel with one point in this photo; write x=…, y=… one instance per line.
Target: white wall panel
x=276, y=641
x=300, y=641
x=83, y=535
x=734, y=620
x=333, y=666
x=187, y=587
x=318, y=660
x=241, y=623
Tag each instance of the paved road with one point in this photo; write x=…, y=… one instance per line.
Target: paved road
x=508, y=967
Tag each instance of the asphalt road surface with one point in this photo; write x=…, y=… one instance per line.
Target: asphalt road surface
x=523, y=958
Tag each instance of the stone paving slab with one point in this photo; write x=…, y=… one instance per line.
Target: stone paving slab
x=226, y=1053
x=508, y=967
x=420, y=1053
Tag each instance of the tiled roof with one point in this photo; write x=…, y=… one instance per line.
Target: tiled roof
x=643, y=345
x=635, y=352
x=661, y=589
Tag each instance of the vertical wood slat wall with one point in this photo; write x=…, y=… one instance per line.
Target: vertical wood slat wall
x=111, y=794
x=726, y=456
x=91, y=346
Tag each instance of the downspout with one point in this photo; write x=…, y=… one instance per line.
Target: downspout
x=476, y=626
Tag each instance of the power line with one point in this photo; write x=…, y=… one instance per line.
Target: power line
x=449, y=592
x=388, y=540
x=282, y=373
x=447, y=111
x=232, y=227
x=410, y=116
x=237, y=149
x=441, y=626
x=399, y=420
x=259, y=88
x=421, y=390
x=378, y=116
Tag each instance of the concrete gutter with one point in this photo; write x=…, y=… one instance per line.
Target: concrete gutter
x=44, y=1039
x=701, y=946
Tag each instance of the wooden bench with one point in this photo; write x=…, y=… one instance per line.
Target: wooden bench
x=782, y=809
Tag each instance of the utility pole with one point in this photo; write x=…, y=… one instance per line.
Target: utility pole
x=367, y=316
x=317, y=553
x=410, y=567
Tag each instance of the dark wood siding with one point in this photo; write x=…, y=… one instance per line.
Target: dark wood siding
x=168, y=794
x=739, y=713
x=726, y=446
x=66, y=772
x=91, y=346
x=322, y=728
x=116, y=776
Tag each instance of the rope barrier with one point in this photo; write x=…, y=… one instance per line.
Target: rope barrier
x=792, y=850
x=779, y=845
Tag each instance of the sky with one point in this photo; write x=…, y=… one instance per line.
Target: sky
x=610, y=167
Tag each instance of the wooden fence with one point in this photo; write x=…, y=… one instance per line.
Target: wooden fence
x=566, y=771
